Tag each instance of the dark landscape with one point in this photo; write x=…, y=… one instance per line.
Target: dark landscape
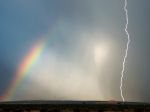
x=73, y=106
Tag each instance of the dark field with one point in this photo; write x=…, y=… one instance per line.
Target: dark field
x=73, y=106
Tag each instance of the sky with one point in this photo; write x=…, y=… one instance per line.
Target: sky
x=73, y=50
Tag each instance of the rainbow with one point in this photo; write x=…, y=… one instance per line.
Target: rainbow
x=23, y=69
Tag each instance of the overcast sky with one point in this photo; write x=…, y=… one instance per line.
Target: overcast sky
x=84, y=47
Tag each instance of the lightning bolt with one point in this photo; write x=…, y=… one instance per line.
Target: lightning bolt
x=126, y=50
